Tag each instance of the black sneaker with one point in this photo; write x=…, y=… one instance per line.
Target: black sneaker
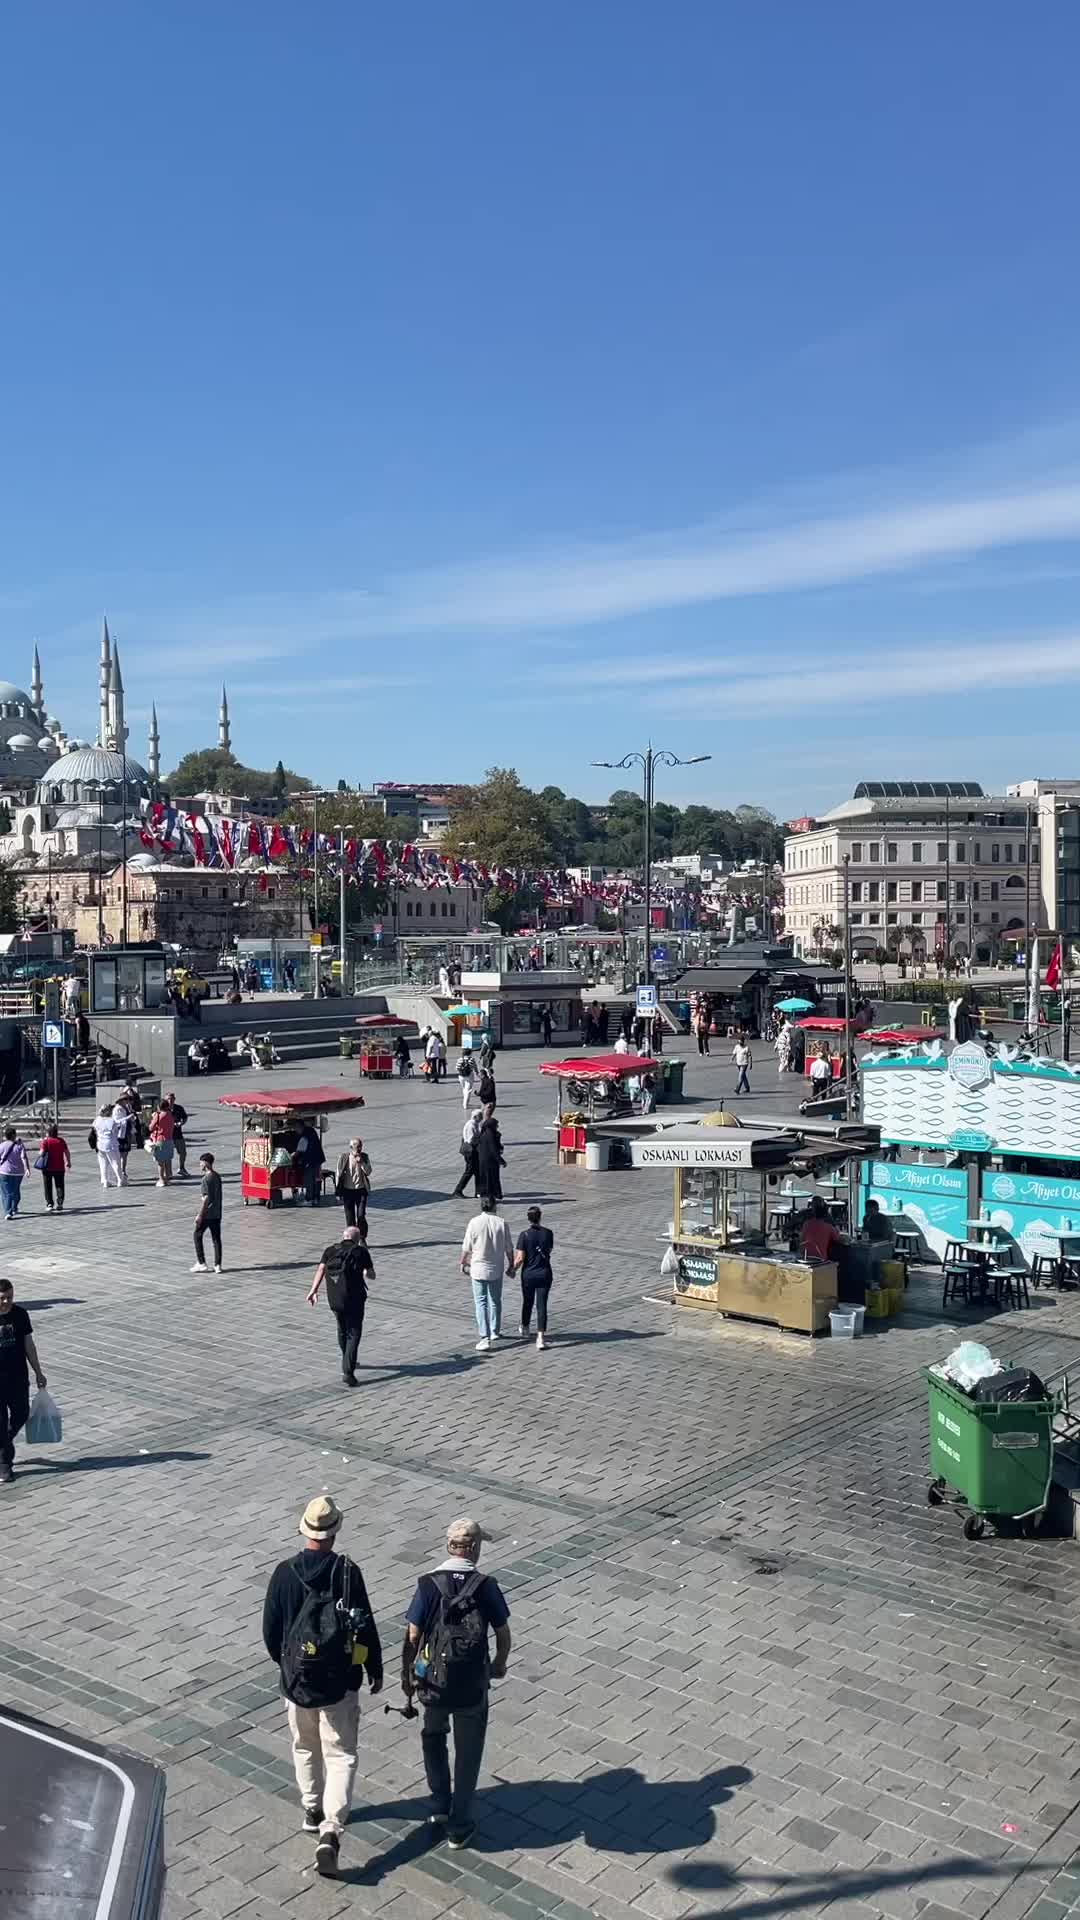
x=460, y=1836
x=437, y=1821
x=326, y=1856
x=313, y=1819
x=350, y=1380
x=7, y=1475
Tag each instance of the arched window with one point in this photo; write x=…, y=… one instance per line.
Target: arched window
x=1015, y=883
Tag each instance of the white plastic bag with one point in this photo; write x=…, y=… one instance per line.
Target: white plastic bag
x=670, y=1262
x=44, y=1422
x=969, y=1363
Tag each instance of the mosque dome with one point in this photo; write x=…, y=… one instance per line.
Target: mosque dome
x=20, y=742
x=47, y=744
x=14, y=696
x=94, y=767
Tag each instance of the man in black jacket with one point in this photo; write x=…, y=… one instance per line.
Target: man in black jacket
x=322, y=1667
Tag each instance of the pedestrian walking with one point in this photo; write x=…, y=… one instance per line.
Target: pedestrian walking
x=180, y=1120
x=72, y=997
x=288, y=974
x=128, y=1133
x=104, y=1140
x=487, y=1057
x=319, y=1630
x=702, y=1023
x=354, y=1182
x=162, y=1128
x=782, y=1045
x=486, y=1090
x=532, y=1260
x=489, y=1157
x=54, y=1159
x=402, y=1056
x=310, y=1159
x=467, y=1077
x=446, y=1662
x=346, y=1267
x=14, y=1167
x=431, y=1057
x=487, y=1256
x=821, y=1075
x=657, y=1032
x=743, y=1060
x=208, y=1218
x=467, y=1150
x=18, y=1357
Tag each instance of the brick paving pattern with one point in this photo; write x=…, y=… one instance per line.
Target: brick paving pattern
x=753, y=1672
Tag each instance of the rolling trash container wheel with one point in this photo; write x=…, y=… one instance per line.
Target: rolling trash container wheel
x=995, y=1455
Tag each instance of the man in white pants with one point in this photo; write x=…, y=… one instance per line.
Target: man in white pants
x=319, y=1630
x=107, y=1131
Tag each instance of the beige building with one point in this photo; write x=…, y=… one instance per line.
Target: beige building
x=1056, y=808
x=929, y=862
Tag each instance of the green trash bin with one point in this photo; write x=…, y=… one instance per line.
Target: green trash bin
x=996, y=1454
x=675, y=1079
x=347, y=1044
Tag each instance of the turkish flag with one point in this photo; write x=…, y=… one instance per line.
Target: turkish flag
x=1053, y=971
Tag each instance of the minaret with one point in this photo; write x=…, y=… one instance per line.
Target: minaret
x=104, y=676
x=37, y=689
x=153, y=760
x=223, y=739
x=116, y=732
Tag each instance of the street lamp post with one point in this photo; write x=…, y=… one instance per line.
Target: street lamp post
x=341, y=898
x=647, y=761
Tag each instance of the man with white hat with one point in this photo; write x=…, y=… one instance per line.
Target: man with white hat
x=319, y=1630
x=445, y=1660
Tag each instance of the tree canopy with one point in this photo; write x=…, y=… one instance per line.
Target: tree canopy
x=216, y=770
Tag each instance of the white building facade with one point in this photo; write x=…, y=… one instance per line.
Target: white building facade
x=931, y=865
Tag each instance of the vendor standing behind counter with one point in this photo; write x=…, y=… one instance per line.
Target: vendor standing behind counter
x=857, y=1262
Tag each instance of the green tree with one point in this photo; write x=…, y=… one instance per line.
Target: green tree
x=361, y=820
x=503, y=824
x=280, y=785
x=216, y=770
x=10, y=888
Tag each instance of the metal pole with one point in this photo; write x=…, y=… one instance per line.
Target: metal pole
x=56, y=1089
x=948, y=889
x=123, y=849
x=316, y=966
x=341, y=906
x=648, y=864
x=848, y=1078
x=100, y=886
x=1027, y=911
x=1065, y=1023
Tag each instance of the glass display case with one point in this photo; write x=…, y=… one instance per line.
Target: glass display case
x=719, y=1207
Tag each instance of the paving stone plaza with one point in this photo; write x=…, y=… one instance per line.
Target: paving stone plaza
x=752, y=1673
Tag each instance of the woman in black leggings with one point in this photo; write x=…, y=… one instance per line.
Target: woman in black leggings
x=532, y=1261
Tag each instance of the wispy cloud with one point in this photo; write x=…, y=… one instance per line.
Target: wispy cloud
x=581, y=585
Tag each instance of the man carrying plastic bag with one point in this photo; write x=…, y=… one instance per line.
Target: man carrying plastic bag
x=18, y=1356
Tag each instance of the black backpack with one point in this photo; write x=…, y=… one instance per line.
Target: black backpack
x=346, y=1284
x=452, y=1664
x=316, y=1656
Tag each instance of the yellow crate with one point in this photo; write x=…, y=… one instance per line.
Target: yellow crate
x=879, y=1305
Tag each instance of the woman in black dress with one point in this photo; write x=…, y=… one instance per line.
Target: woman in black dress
x=489, y=1158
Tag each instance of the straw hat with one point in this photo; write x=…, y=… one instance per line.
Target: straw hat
x=320, y=1519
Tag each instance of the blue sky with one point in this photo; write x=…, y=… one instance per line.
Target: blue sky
x=499, y=384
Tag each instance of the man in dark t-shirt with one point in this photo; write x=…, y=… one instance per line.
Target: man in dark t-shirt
x=17, y=1354
x=208, y=1218
x=346, y=1266
x=533, y=1262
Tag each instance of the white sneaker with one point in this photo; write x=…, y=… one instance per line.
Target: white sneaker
x=522, y=1333
x=483, y=1346
x=219, y=1269
x=541, y=1342
x=159, y=1183
x=198, y=1268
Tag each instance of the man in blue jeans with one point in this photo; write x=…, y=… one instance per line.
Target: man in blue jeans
x=445, y=1659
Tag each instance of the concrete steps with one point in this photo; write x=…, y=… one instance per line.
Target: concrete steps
x=300, y=1029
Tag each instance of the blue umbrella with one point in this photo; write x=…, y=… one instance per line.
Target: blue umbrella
x=795, y=1005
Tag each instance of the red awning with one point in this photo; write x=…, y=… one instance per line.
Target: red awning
x=901, y=1036
x=598, y=1066
x=374, y=1020
x=822, y=1023
x=303, y=1099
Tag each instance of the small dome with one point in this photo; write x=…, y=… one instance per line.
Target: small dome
x=46, y=744
x=12, y=696
x=20, y=741
x=53, y=724
x=142, y=862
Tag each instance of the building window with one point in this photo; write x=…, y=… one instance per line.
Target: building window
x=444, y=907
x=874, y=919
x=1034, y=851
x=961, y=892
x=995, y=850
x=890, y=889
x=856, y=851
x=205, y=891
x=890, y=919
x=916, y=919
x=873, y=889
x=916, y=852
x=224, y=893
x=995, y=890
x=856, y=889
x=975, y=889
x=942, y=853
x=916, y=890
x=892, y=851
x=408, y=909
x=453, y=911
x=874, y=851
x=976, y=851
x=1008, y=853
x=995, y=917
x=942, y=890
x=961, y=851
x=856, y=919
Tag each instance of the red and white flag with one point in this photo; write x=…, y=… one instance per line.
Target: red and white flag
x=1053, y=971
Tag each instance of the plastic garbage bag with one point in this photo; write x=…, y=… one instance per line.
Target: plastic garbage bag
x=44, y=1422
x=969, y=1363
x=670, y=1262
x=281, y=1157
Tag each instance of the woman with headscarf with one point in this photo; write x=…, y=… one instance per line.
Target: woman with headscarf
x=489, y=1157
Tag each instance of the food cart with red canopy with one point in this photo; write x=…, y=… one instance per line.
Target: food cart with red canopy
x=901, y=1036
x=378, y=1032
x=592, y=1087
x=270, y=1126
x=826, y=1026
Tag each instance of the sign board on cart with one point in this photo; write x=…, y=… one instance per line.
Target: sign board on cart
x=647, y=1001
x=722, y=1147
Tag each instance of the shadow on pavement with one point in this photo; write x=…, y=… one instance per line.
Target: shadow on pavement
x=790, y=1892
x=600, y=1339
x=59, y=1300
x=105, y=1462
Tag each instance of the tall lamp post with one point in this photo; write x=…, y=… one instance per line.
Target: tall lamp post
x=648, y=761
x=341, y=897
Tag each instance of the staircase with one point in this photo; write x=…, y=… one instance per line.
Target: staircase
x=300, y=1029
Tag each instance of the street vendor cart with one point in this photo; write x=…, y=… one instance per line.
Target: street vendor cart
x=590, y=1089
x=270, y=1126
x=823, y=1029
x=378, y=1032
